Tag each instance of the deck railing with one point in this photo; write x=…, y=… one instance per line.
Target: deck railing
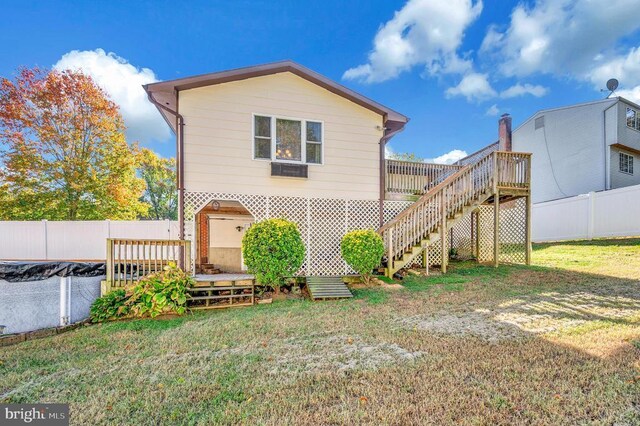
x=430, y=212
x=514, y=169
x=129, y=260
x=413, y=178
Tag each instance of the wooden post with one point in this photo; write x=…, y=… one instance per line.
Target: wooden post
x=496, y=210
x=390, y=254
x=443, y=232
x=476, y=214
x=109, y=264
x=496, y=227
x=528, y=239
x=187, y=257
x=528, y=219
x=425, y=259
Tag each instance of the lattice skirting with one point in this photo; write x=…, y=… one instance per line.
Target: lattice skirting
x=322, y=222
x=512, y=235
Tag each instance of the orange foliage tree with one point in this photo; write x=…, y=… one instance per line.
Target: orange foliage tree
x=65, y=156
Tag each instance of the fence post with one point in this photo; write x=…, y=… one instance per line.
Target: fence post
x=46, y=239
x=592, y=213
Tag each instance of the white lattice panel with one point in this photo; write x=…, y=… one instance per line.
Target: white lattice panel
x=323, y=222
x=513, y=231
x=327, y=226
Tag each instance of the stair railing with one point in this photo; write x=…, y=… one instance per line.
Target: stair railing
x=429, y=212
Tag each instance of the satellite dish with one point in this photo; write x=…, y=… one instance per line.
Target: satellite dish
x=612, y=84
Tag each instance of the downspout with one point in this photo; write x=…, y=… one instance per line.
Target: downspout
x=607, y=153
x=383, y=165
x=179, y=162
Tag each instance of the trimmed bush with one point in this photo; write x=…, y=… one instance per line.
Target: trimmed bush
x=362, y=249
x=273, y=250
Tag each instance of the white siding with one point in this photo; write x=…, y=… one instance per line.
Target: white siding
x=626, y=135
x=620, y=179
x=573, y=139
x=218, y=139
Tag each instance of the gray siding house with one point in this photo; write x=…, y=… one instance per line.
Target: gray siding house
x=577, y=149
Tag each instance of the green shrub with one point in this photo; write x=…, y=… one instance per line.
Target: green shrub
x=164, y=292
x=110, y=306
x=362, y=249
x=273, y=250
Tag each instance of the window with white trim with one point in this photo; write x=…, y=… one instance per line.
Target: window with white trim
x=626, y=163
x=262, y=137
x=633, y=119
x=287, y=139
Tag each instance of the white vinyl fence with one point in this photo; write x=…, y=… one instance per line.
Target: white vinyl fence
x=74, y=240
x=614, y=213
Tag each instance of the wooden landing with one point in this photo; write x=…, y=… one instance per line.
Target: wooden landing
x=223, y=280
x=327, y=288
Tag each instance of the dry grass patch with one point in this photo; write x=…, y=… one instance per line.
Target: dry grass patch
x=555, y=343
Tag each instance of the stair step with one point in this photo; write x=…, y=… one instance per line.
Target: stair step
x=327, y=288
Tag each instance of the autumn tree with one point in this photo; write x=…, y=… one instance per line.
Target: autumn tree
x=405, y=156
x=161, y=195
x=65, y=156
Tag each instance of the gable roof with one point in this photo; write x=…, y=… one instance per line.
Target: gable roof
x=164, y=92
x=606, y=102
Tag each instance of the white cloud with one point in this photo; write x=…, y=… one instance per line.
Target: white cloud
x=632, y=94
x=423, y=32
x=625, y=68
x=448, y=158
x=473, y=86
x=560, y=37
x=524, y=89
x=492, y=111
x=123, y=83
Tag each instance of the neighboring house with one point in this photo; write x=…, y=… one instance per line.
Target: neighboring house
x=280, y=140
x=577, y=149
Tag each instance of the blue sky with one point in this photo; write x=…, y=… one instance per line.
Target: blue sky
x=452, y=66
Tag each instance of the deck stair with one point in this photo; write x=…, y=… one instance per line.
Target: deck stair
x=327, y=288
x=494, y=177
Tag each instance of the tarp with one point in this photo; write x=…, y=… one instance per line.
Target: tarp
x=35, y=271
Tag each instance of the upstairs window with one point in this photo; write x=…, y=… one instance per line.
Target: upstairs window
x=287, y=140
x=626, y=163
x=314, y=142
x=633, y=119
x=262, y=137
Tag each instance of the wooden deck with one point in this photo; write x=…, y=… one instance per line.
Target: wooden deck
x=222, y=291
x=221, y=278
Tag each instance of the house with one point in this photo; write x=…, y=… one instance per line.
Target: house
x=280, y=140
x=582, y=148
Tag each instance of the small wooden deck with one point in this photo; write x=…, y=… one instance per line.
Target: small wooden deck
x=222, y=291
x=222, y=279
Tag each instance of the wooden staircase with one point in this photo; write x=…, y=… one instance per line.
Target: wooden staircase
x=427, y=220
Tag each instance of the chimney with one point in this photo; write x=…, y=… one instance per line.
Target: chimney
x=504, y=133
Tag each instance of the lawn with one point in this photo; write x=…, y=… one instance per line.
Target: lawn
x=554, y=343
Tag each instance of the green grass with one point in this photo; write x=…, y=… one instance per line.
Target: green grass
x=357, y=361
